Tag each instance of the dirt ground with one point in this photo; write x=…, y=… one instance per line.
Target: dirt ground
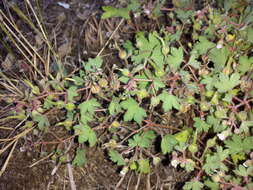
x=78, y=33
x=31, y=167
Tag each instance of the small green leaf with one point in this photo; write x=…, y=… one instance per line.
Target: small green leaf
x=245, y=64
x=201, y=125
x=128, y=46
x=182, y=136
x=219, y=57
x=93, y=64
x=158, y=58
x=212, y=185
x=144, y=166
x=245, y=126
x=189, y=165
x=133, y=165
x=70, y=106
x=183, y=15
x=169, y=101
x=72, y=92
x=215, y=162
x=124, y=79
x=87, y=109
x=134, y=112
x=227, y=83
x=145, y=47
x=228, y=5
x=211, y=142
x=193, y=185
x=238, y=157
x=79, y=81
x=250, y=34
x=116, y=157
x=241, y=171
x=168, y=143
x=209, y=82
x=239, y=144
x=42, y=120
x=203, y=45
x=176, y=58
x=221, y=113
x=114, y=106
x=80, y=157
x=115, y=12
x=35, y=89
x=110, y=12
x=134, y=5
x=154, y=101
x=85, y=133
x=143, y=140
x=193, y=60
x=48, y=103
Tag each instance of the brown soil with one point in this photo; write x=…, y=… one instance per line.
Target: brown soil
x=98, y=174
x=28, y=169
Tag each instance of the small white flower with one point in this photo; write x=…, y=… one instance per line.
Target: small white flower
x=22, y=149
x=224, y=134
x=221, y=136
x=174, y=163
x=124, y=171
x=245, y=164
x=147, y=12
x=219, y=46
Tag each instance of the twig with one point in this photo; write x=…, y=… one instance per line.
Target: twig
x=134, y=132
x=6, y=128
x=59, y=164
x=53, y=142
x=70, y=172
x=129, y=181
x=120, y=181
x=69, y=167
x=8, y=159
x=53, y=172
x=138, y=182
x=151, y=124
x=17, y=137
x=148, y=185
x=44, y=158
x=110, y=37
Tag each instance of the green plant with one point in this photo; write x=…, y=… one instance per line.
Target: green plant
x=110, y=11
x=216, y=80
